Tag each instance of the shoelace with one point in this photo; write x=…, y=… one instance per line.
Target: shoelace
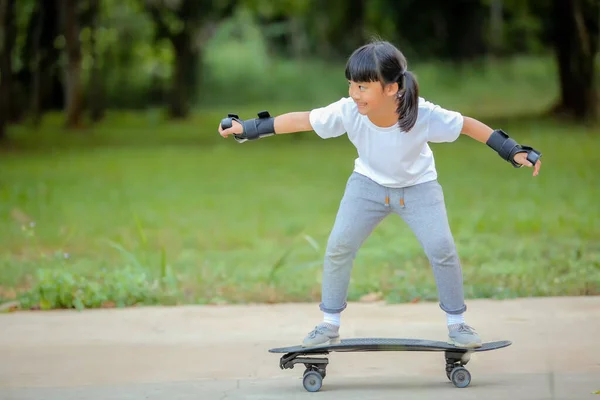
x=318, y=329
x=315, y=331
x=464, y=328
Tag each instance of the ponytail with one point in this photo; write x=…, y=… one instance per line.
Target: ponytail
x=408, y=101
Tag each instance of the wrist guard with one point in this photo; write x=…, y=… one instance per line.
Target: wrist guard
x=507, y=148
x=255, y=128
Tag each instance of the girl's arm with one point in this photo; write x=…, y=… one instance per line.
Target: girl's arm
x=476, y=129
x=267, y=125
x=293, y=122
x=484, y=134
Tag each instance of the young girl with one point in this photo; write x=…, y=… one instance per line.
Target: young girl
x=390, y=125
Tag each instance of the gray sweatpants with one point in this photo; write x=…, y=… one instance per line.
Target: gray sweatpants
x=364, y=205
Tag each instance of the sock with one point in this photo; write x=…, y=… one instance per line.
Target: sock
x=332, y=320
x=454, y=319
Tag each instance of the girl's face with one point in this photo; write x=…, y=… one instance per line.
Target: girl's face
x=371, y=98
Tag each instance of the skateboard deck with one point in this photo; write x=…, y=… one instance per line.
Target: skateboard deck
x=382, y=344
x=456, y=357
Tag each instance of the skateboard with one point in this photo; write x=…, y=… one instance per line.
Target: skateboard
x=456, y=357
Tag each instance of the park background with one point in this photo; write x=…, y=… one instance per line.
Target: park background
x=116, y=189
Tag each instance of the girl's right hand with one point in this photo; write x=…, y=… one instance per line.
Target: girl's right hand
x=235, y=129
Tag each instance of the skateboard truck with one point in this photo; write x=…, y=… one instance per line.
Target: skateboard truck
x=288, y=361
x=455, y=368
x=315, y=371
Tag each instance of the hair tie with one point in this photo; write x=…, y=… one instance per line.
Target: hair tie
x=400, y=76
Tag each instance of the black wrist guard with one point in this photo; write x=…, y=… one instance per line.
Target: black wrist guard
x=507, y=148
x=255, y=128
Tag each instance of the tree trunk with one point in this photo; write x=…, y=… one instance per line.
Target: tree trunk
x=183, y=82
x=496, y=27
x=7, y=39
x=45, y=57
x=576, y=43
x=36, y=97
x=298, y=39
x=74, y=93
x=356, y=22
x=52, y=86
x=22, y=84
x=183, y=75
x=467, y=41
x=95, y=101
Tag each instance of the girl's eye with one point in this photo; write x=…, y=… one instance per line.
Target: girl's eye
x=360, y=87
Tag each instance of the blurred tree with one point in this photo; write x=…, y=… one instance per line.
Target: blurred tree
x=22, y=55
x=92, y=54
x=7, y=39
x=6, y=18
x=284, y=23
x=496, y=41
x=44, y=55
x=96, y=82
x=523, y=26
x=133, y=68
x=185, y=23
x=341, y=26
x=73, y=81
x=576, y=44
x=441, y=29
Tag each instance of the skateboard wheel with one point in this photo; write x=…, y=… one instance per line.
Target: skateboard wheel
x=312, y=381
x=460, y=377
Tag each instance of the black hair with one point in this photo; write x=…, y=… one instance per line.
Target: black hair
x=381, y=61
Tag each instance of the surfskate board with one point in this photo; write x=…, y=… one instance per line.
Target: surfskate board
x=456, y=357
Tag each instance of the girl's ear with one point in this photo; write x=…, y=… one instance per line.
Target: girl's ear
x=392, y=89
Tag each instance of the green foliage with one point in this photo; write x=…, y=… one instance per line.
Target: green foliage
x=250, y=50
x=64, y=285
x=133, y=283
x=136, y=68
x=261, y=76
x=237, y=52
x=61, y=288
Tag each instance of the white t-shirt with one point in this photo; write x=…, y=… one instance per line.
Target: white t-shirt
x=390, y=156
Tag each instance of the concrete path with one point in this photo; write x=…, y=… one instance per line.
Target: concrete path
x=221, y=352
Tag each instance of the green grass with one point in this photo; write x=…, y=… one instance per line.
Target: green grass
x=140, y=210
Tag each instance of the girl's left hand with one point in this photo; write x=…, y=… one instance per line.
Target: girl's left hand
x=521, y=158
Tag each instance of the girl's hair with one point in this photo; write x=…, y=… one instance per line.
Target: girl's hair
x=381, y=61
